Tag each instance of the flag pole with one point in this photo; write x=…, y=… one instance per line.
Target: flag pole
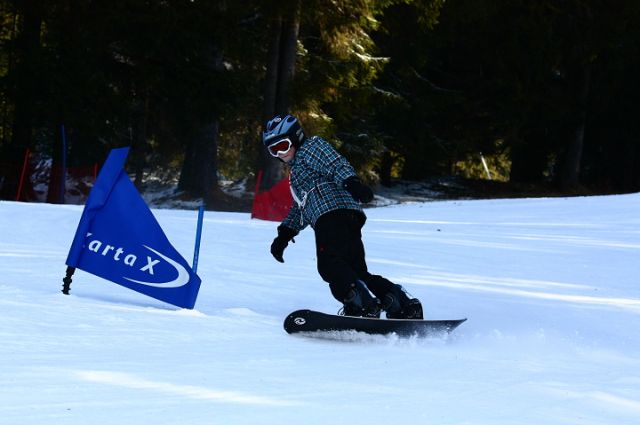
x=24, y=170
x=66, y=287
x=196, y=249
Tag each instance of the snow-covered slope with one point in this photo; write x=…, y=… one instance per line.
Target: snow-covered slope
x=550, y=288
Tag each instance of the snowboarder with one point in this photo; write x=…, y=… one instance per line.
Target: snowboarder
x=327, y=194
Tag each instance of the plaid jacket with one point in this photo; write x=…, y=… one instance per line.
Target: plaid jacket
x=317, y=174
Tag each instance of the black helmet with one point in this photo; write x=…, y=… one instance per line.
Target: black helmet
x=279, y=127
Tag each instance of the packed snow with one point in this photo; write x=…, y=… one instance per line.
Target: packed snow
x=549, y=286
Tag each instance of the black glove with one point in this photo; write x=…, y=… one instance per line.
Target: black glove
x=285, y=234
x=360, y=192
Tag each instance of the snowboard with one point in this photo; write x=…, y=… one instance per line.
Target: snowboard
x=315, y=321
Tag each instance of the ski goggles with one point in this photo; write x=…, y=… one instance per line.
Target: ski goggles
x=282, y=146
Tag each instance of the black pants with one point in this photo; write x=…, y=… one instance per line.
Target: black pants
x=340, y=253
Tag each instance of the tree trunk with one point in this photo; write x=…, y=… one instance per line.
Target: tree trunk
x=25, y=74
x=271, y=76
x=386, y=164
x=529, y=152
x=199, y=174
x=570, y=178
x=281, y=63
x=199, y=169
x=287, y=66
x=528, y=162
x=139, y=135
x=56, y=189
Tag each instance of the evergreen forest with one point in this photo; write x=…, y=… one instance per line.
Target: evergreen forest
x=529, y=92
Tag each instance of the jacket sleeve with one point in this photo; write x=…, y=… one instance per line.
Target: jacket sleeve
x=293, y=220
x=325, y=160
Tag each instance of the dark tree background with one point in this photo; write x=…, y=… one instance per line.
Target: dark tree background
x=546, y=91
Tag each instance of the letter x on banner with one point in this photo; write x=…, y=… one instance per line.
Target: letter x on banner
x=119, y=239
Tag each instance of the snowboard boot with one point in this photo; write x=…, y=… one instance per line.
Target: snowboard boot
x=359, y=302
x=399, y=306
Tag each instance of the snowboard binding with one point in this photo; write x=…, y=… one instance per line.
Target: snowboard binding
x=398, y=305
x=360, y=303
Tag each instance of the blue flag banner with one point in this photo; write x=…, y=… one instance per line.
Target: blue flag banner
x=119, y=239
